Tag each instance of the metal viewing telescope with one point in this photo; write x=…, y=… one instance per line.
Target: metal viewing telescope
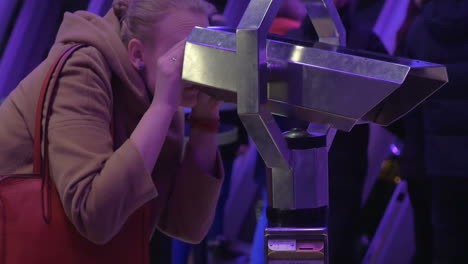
x=321, y=82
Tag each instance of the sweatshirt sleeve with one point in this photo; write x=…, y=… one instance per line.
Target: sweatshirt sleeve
x=99, y=187
x=188, y=196
x=191, y=206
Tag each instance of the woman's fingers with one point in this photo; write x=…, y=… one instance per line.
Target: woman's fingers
x=168, y=77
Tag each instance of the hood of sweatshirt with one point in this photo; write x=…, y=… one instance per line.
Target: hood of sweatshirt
x=103, y=33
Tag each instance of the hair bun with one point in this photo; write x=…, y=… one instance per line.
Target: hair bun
x=120, y=8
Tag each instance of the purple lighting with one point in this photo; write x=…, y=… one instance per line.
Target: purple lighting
x=395, y=150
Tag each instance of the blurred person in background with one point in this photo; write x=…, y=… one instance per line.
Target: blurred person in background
x=435, y=155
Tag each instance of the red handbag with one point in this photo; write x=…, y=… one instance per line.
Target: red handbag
x=33, y=225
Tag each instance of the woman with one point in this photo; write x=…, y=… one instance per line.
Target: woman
x=128, y=78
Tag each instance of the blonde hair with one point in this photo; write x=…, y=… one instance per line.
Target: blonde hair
x=138, y=17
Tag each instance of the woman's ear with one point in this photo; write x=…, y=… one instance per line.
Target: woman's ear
x=135, y=53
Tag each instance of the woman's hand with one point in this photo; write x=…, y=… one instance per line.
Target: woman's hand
x=150, y=133
x=168, y=88
x=203, y=144
x=206, y=108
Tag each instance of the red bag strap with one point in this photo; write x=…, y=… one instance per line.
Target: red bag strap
x=51, y=77
x=41, y=165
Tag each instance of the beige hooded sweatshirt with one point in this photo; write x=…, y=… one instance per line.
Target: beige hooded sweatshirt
x=102, y=181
